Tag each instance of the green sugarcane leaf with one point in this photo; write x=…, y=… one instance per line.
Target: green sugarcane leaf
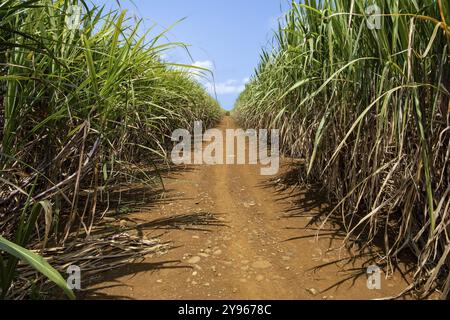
x=37, y=262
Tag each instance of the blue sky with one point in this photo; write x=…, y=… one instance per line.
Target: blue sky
x=224, y=35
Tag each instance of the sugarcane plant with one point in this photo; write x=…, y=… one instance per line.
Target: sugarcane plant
x=86, y=102
x=360, y=90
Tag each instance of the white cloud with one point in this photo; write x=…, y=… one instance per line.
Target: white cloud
x=223, y=88
x=197, y=73
x=231, y=86
x=202, y=76
x=204, y=64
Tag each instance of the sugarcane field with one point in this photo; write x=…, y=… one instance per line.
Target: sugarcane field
x=201, y=151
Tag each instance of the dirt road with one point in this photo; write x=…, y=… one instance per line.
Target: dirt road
x=239, y=235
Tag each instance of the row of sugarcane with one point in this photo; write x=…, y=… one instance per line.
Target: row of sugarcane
x=87, y=104
x=360, y=90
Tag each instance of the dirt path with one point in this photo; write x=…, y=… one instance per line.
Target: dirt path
x=238, y=236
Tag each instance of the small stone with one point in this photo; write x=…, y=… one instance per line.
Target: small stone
x=207, y=284
x=249, y=204
x=159, y=281
x=259, y=278
x=195, y=237
x=312, y=291
x=217, y=252
x=194, y=260
x=194, y=273
x=194, y=283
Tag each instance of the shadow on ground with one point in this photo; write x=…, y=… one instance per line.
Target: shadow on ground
x=131, y=269
x=122, y=212
x=312, y=203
